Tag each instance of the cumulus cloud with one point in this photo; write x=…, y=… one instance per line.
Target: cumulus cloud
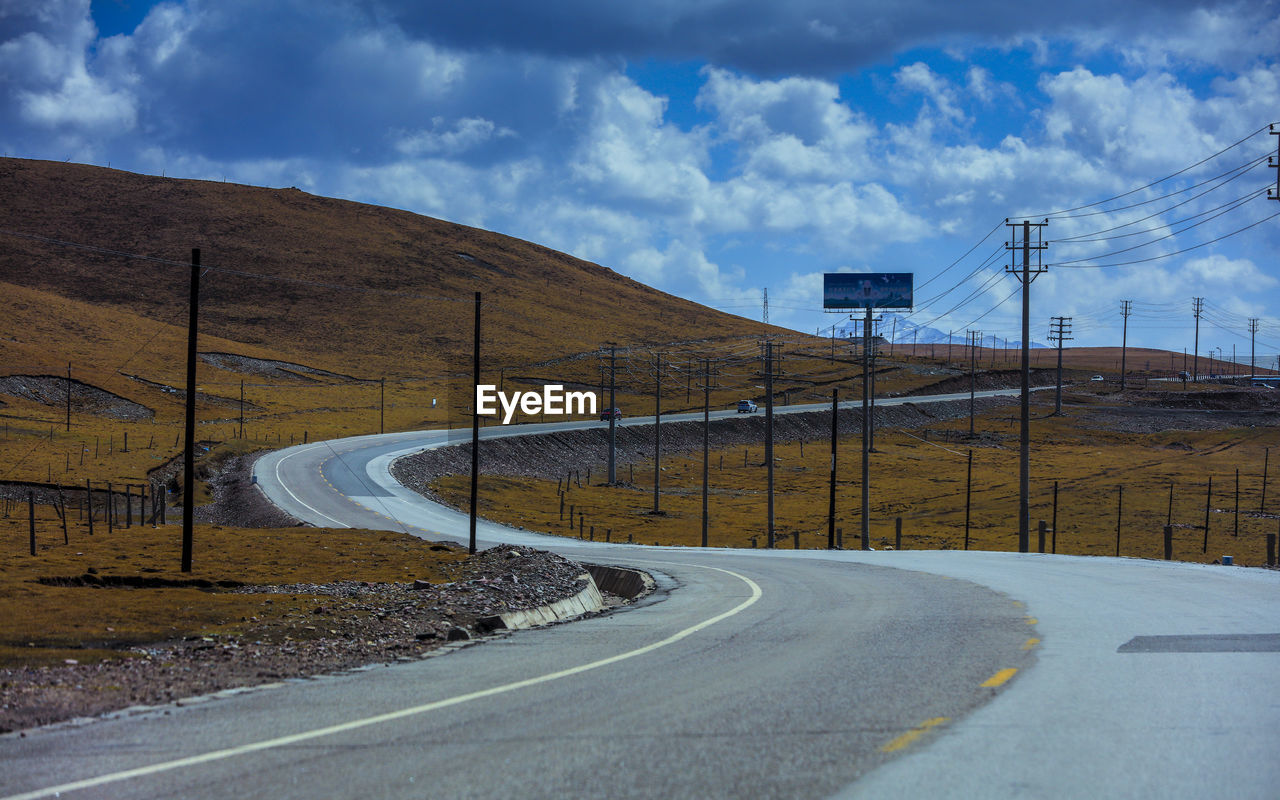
x=772, y=167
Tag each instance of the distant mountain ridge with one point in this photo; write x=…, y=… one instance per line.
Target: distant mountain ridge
x=907, y=332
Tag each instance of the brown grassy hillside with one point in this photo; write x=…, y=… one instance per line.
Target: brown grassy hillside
x=418, y=274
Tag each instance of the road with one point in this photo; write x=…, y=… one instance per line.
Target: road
x=749, y=673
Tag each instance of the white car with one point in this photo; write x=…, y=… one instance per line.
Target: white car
x=1096, y=378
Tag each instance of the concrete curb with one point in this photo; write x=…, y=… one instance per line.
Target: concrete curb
x=584, y=602
x=628, y=583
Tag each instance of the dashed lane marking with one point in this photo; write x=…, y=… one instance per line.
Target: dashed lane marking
x=913, y=734
x=999, y=678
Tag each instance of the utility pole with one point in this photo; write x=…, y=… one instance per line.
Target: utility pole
x=189, y=454
x=831, y=506
x=972, y=337
x=475, y=431
x=241, y=432
x=1126, y=308
x=871, y=417
x=1274, y=161
x=68, y=395
x=706, y=427
x=1197, y=306
x=382, y=404
x=1059, y=328
x=866, y=430
x=1253, y=332
x=768, y=431
x=657, y=433
x=1024, y=460
x=613, y=423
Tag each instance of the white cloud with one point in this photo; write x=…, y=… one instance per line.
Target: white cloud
x=462, y=136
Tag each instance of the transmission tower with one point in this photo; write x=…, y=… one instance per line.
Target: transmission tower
x=766, y=306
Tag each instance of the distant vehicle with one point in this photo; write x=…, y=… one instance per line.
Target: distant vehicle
x=614, y=413
x=746, y=407
x=1184, y=375
x=1097, y=378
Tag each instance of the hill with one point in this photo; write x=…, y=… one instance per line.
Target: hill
x=352, y=287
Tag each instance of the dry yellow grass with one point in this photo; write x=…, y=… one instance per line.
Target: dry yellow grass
x=48, y=623
x=924, y=484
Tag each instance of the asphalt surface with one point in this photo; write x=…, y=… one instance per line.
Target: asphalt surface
x=749, y=673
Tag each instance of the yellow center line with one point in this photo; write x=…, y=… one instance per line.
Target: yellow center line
x=1032, y=621
x=999, y=678
x=913, y=734
x=1030, y=643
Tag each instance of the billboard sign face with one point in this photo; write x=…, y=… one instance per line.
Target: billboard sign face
x=844, y=290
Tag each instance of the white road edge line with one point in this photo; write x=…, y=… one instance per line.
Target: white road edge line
x=285, y=486
x=230, y=752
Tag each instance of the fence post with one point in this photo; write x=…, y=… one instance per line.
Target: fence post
x=1271, y=549
x=88, y=500
x=31, y=516
x=897, y=533
x=571, y=507
x=1042, y=531
x=840, y=538
x=796, y=536
x=1168, y=543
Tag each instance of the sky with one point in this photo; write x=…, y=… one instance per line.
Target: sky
x=718, y=148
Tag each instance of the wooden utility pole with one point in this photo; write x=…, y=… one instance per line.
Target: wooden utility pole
x=475, y=430
x=973, y=338
x=831, y=505
x=613, y=423
x=189, y=454
x=768, y=432
x=706, y=451
x=657, y=434
x=866, y=428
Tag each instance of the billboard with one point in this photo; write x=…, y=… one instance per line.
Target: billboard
x=844, y=290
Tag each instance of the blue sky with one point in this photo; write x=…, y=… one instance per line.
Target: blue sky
x=715, y=148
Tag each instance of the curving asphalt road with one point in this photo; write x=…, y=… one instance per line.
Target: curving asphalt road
x=748, y=674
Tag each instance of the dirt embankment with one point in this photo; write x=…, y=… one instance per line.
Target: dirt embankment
x=332, y=627
x=550, y=455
